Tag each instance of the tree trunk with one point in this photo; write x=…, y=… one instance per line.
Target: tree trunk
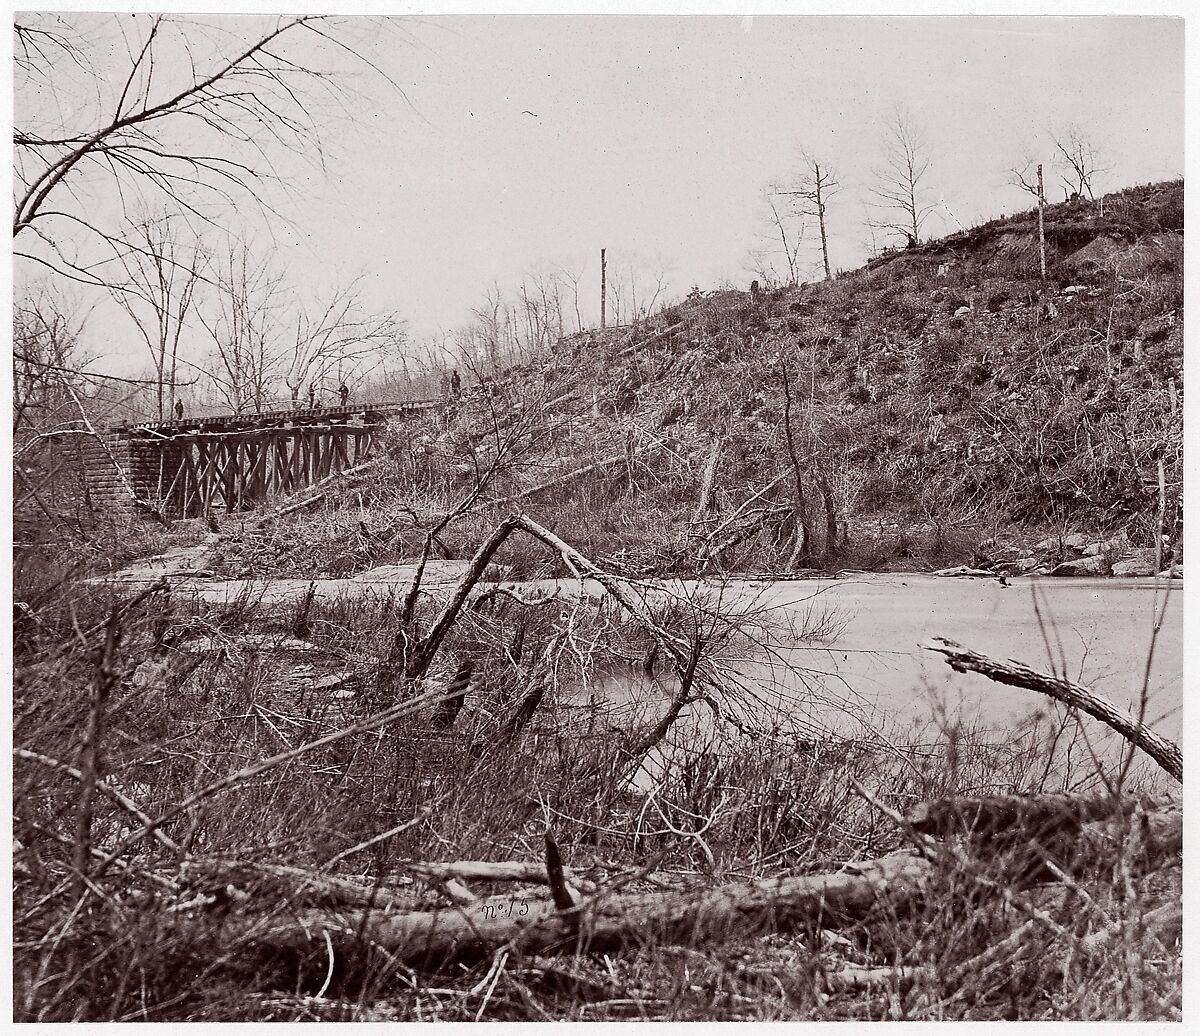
x=603, y=289
x=456, y=695
x=1163, y=751
x=829, y=547
x=438, y=937
x=1041, y=223
x=803, y=533
x=821, y=225
x=707, y=482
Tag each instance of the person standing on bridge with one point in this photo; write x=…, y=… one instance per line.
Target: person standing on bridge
x=179, y=410
x=312, y=396
x=343, y=392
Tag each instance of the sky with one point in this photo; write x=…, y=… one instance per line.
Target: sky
x=509, y=144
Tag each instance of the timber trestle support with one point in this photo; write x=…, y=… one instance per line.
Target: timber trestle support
x=234, y=462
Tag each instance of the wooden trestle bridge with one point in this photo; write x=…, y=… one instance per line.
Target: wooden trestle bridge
x=233, y=462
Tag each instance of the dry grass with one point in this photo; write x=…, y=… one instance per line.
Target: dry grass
x=204, y=692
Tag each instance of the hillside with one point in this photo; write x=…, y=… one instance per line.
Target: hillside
x=941, y=404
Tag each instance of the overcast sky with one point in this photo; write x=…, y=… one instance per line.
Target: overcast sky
x=522, y=142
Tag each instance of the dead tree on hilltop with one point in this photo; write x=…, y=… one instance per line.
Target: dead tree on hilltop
x=818, y=183
x=785, y=235
x=899, y=189
x=1025, y=181
x=1077, y=159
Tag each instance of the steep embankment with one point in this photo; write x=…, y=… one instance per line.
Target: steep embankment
x=940, y=404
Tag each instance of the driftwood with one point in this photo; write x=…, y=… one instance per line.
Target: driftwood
x=604, y=922
x=854, y=978
x=966, y=571
x=1163, y=751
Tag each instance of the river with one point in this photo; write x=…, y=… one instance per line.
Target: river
x=871, y=673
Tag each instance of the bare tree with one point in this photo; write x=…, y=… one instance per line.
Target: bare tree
x=647, y=283
x=1077, y=159
x=160, y=277
x=45, y=349
x=491, y=331
x=817, y=184
x=541, y=303
x=339, y=336
x=186, y=114
x=243, y=329
x=615, y=291
x=572, y=275
x=899, y=188
x=783, y=236
x=1032, y=183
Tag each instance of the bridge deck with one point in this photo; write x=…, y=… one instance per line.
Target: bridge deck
x=370, y=413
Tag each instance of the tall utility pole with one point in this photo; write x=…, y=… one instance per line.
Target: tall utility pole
x=1041, y=222
x=602, y=288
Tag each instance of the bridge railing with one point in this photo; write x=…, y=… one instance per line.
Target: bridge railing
x=302, y=414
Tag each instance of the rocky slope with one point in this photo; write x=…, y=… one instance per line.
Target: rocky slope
x=939, y=405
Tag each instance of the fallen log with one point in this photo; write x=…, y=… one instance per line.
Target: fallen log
x=524, y=922
x=570, y=476
x=1162, y=750
x=483, y=870
x=603, y=923
x=967, y=571
x=857, y=979
x=299, y=505
x=1076, y=833
x=989, y=814
x=641, y=343
x=293, y=884
x=286, y=509
x=1165, y=923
